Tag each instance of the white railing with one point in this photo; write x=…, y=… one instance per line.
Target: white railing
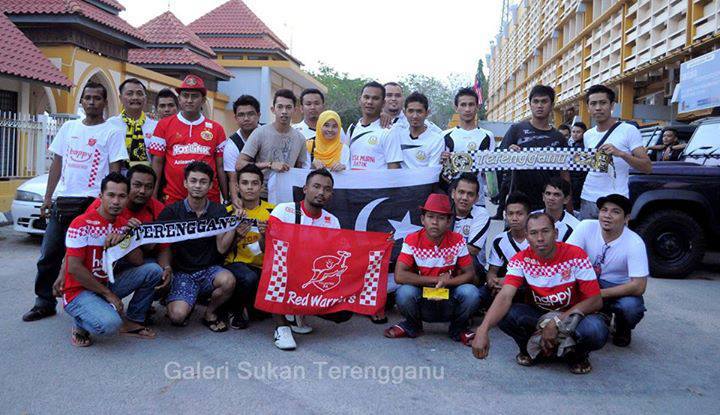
x=24, y=140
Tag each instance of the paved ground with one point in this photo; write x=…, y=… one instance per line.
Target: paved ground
x=671, y=366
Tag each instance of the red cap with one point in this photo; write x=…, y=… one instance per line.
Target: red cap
x=193, y=83
x=437, y=203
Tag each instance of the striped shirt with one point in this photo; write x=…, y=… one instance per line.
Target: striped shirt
x=430, y=260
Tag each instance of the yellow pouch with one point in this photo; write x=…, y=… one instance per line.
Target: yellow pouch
x=432, y=293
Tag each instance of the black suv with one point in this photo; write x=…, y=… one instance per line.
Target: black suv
x=676, y=209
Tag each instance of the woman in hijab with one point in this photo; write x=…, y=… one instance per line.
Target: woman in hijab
x=326, y=149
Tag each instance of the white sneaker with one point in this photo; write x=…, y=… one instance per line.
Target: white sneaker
x=284, y=339
x=297, y=324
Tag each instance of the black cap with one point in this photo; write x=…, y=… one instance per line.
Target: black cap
x=616, y=199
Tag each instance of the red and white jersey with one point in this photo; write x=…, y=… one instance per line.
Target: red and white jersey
x=85, y=239
x=181, y=142
x=285, y=212
x=557, y=283
x=430, y=260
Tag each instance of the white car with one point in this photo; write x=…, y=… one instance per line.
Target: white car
x=25, y=208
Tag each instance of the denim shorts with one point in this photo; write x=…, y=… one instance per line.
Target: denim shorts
x=187, y=287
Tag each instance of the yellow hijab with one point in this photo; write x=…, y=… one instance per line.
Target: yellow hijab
x=327, y=149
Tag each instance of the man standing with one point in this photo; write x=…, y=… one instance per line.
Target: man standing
x=471, y=221
x=467, y=136
x=507, y=244
x=560, y=278
x=245, y=257
x=577, y=178
x=96, y=307
x=370, y=145
x=576, y=135
x=565, y=131
x=434, y=257
x=536, y=133
x=138, y=126
x=392, y=112
x=555, y=196
x=620, y=262
x=196, y=262
x=421, y=147
x=312, y=104
x=318, y=191
x=185, y=138
x=84, y=151
x=166, y=103
x=276, y=147
x=247, y=115
x=616, y=138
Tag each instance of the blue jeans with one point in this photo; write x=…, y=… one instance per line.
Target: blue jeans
x=246, y=285
x=141, y=282
x=521, y=321
x=628, y=310
x=464, y=301
x=52, y=252
x=95, y=315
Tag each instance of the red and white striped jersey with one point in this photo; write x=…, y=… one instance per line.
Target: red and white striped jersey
x=430, y=260
x=557, y=283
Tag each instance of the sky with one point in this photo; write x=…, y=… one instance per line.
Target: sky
x=379, y=39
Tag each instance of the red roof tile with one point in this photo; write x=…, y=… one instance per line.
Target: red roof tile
x=233, y=18
x=263, y=43
x=168, y=29
x=156, y=56
x=69, y=7
x=114, y=4
x=20, y=57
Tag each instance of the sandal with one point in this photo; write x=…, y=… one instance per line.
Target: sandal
x=397, y=332
x=582, y=367
x=80, y=338
x=216, y=326
x=140, y=333
x=524, y=360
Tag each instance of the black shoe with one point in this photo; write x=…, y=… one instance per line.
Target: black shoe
x=238, y=321
x=622, y=338
x=38, y=313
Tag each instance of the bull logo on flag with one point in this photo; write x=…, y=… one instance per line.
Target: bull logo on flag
x=327, y=271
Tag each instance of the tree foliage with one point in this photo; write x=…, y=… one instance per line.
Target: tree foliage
x=480, y=76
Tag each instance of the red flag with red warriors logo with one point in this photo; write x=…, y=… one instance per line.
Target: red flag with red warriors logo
x=311, y=270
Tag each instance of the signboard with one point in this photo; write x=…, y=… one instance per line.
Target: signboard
x=700, y=83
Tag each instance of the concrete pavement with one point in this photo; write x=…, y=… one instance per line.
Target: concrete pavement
x=671, y=366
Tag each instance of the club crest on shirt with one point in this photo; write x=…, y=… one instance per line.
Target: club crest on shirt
x=449, y=259
x=472, y=146
x=466, y=230
x=420, y=155
x=91, y=142
x=206, y=135
x=565, y=275
x=372, y=140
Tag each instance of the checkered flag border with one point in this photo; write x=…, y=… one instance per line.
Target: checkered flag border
x=279, y=273
x=369, y=294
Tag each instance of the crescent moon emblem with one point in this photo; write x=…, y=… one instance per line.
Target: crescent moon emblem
x=364, y=215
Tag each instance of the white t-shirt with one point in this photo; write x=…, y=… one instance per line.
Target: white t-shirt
x=504, y=247
x=459, y=139
x=423, y=151
x=86, y=152
x=625, y=257
x=474, y=228
x=565, y=225
x=625, y=138
x=231, y=153
x=371, y=147
x=148, y=128
x=402, y=121
x=285, y=212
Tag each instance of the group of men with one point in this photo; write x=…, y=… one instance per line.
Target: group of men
x=183, y=167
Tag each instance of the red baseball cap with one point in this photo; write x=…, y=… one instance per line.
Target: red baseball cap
x=437, y=203
x=193, y=83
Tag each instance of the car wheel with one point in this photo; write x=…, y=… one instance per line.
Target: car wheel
x=675, y=243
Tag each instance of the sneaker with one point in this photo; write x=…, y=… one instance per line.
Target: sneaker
x=284, y=339
x=297, y=324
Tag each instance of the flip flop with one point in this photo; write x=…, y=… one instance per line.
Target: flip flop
x=216, y=326
x=79, y=339
x=140, y=333
x=582, y=367
x=524, y=360
x=397, y=332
